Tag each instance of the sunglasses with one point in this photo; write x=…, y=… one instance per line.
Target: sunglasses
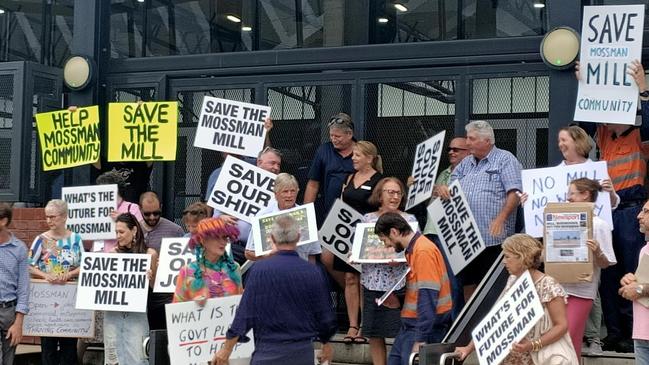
x=154, y=213
x=340, y=121
x=456, y=149
x=271, y=149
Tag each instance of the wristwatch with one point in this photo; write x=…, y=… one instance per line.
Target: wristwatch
x=639, y=289
x=645, y=94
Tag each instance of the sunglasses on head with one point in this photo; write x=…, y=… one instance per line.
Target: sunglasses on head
x=340, y=121
x=271, y=149
x=154, y=213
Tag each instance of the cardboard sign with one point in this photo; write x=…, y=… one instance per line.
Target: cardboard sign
x=196, y=333
x=174, y=254
x=52, y=312
x=456, y=228
x=69, y=139
x=337, y=231
x=510, y=319
x=113, y=282
x=368, y=248
x=551, y=185
x=424, y=169
x=611, y=37
x=142, y=132
x=567, y=228
x=231, y=126
x=304, y=215
x=89, y=209
x=242, y=190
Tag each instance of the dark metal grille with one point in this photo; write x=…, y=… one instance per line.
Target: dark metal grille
x=5, y=163
x=6, y=124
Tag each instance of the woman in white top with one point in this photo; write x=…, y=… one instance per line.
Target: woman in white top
x=581, y=295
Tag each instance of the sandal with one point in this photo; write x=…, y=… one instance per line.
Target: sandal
x=361, y=340
x=348, y=340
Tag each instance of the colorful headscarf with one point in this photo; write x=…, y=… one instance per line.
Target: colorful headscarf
x=214, y=228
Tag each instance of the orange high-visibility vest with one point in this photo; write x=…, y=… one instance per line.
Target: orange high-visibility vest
x=624, y=156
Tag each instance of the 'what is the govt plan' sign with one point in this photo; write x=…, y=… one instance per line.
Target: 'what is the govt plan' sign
x=89, y=209
x=424, y=169
x=611, y=37
x=69, y=138
x=142, y=131
x=231, y=126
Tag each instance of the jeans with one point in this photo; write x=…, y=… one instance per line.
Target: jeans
x=594, y=324
x=405, y=340
x=7, y=318
x=124, y=333
x=58, y=351
x=641, y=352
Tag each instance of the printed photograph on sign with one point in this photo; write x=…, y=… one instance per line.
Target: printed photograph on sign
x=231, y=126
x=566, y=238
x=304, y=215
x=89, y=210
x=69, y=138
x=142, y=131
x=368, y=248
x=424, y=169
x=337, y=231
x=174, y=254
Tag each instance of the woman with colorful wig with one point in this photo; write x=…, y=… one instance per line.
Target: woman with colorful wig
x=214, y=273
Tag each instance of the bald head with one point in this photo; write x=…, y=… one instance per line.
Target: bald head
x=457, y=150
x=151, y=208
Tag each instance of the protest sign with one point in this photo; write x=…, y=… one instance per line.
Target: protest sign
x=242, y=190
x=196, y=333
x=142, y=131
x=69, y=138
x=551, y=185
x=113, y=282
x=174, y=254
x=52, y=312
x=424, y=169
x=337, y=231
x=368, y=248
x=456, y=228
x=399, y=284
x=89, y=209
x=510, y=319
x=231, y=126
x=304, y=215
x=611, y=37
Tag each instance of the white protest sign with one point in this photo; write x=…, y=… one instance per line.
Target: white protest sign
x=89, y=209
x=196, y=333
x=113, y=282
x=231, y=126
x=242, y=190
x=174, y=254
x=550, y=184
x=456, y=228
x=304, y=216
x=510, y=319
x=368, y=248
x=611, y=37
x=399, y=284
x=424, y=169
x=337, y=231
x=52, y=312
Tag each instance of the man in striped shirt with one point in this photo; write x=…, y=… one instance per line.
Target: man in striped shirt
x=426, y=313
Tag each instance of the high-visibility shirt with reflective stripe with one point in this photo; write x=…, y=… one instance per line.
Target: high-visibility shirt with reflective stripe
x=623, y=154
x=427, y=271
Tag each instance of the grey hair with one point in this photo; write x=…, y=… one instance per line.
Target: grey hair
x=59, y=205
x=483, y=129
x=283, y=181
x=285, y=230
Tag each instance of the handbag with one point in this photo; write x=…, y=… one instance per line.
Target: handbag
x=559, y=352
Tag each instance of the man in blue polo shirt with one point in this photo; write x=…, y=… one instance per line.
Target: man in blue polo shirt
x=331, y=165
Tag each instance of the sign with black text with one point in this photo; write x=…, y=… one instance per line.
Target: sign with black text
x=52, y=312
x=337, y=231
x=113, y=282
x=196, y=333
x=89, y=209
x=510, y=319
x=242, y=190
x=611, y=37
x=424, y=169
x=304, y=215
x=456, y=228
x=174, y=254
x=231, y=126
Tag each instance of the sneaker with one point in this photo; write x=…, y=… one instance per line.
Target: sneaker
x=594, y=348
x=624, y=346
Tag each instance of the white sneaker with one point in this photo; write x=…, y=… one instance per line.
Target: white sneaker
x=592, y=348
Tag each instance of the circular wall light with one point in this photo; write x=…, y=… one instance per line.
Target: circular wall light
x=77, y=72
x=560, y=48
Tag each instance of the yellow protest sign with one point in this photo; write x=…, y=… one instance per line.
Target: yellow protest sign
x=142, y=131
x=69, y=138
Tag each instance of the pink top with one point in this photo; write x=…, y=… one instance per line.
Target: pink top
x=640, y=312
x=124, y=207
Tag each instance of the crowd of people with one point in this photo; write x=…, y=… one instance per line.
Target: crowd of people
x=286, y=293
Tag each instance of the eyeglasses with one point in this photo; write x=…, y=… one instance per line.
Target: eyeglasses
x=155, y=213
x=456, y=149
x=340, y=121
x=392, y=192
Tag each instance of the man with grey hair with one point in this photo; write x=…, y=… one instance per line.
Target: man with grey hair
x=287, y=305
x=490, y=178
